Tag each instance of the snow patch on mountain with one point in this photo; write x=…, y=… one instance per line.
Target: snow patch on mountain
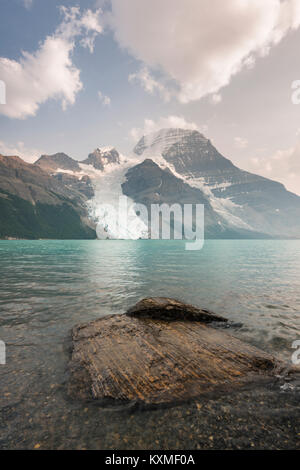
x=68, y=172
x=223, y=206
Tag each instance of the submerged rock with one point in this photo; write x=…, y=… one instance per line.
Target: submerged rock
x=160, y=351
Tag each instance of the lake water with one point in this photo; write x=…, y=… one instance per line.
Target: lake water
x=47, y=287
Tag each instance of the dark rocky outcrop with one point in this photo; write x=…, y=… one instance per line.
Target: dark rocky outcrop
x=163, y=308
x=83, y=184
x=161, y=351
x=147, y=183
x=102, y=157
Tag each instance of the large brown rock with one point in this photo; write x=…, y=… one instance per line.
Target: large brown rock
x=163, y=308
x=160, y=358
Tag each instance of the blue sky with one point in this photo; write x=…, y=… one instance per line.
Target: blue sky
x=233, y=84
x=87, y=124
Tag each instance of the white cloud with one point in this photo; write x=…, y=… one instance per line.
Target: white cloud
x=30, y=155
x=201, y=44
x=149, y=83
x=163, y=123
x=283, y=166
x=85, y=25
x=105, y=100
x=28, y=4
x=240, y=142
x=49, y=72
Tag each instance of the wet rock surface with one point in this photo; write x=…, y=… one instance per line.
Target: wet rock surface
x=161, y=352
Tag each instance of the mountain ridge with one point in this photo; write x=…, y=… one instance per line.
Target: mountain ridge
x=33, y=204
x=265, y=205
x=57, y=161
x=190, y=168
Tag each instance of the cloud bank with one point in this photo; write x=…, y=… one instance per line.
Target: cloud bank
x=49, y=73
x=163, y=123
x=30, y=155
x=283, y=166
x=200, y=44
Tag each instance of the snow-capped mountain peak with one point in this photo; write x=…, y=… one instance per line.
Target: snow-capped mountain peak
x=189, y=151
x=244, y=200
x=164, y=139
x=103, y=156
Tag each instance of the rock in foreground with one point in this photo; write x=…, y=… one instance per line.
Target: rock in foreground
x=154, y=355
x=162, y=308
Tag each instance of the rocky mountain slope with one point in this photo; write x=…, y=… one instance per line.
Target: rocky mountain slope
x=241, y=198
x=57, y=162
x=67, y=171
x=147, y=183
x=33, y=204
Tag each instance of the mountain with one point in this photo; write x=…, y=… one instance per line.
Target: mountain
x=56, y=162
x=59, y=197
x=101, y=157
x=147, y=183
x=33, y=204
x=242, y=198
x=67, y=171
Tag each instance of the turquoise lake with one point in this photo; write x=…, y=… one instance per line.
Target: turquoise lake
x=47, y=287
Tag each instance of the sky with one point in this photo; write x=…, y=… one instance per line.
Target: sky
x=90, y=73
